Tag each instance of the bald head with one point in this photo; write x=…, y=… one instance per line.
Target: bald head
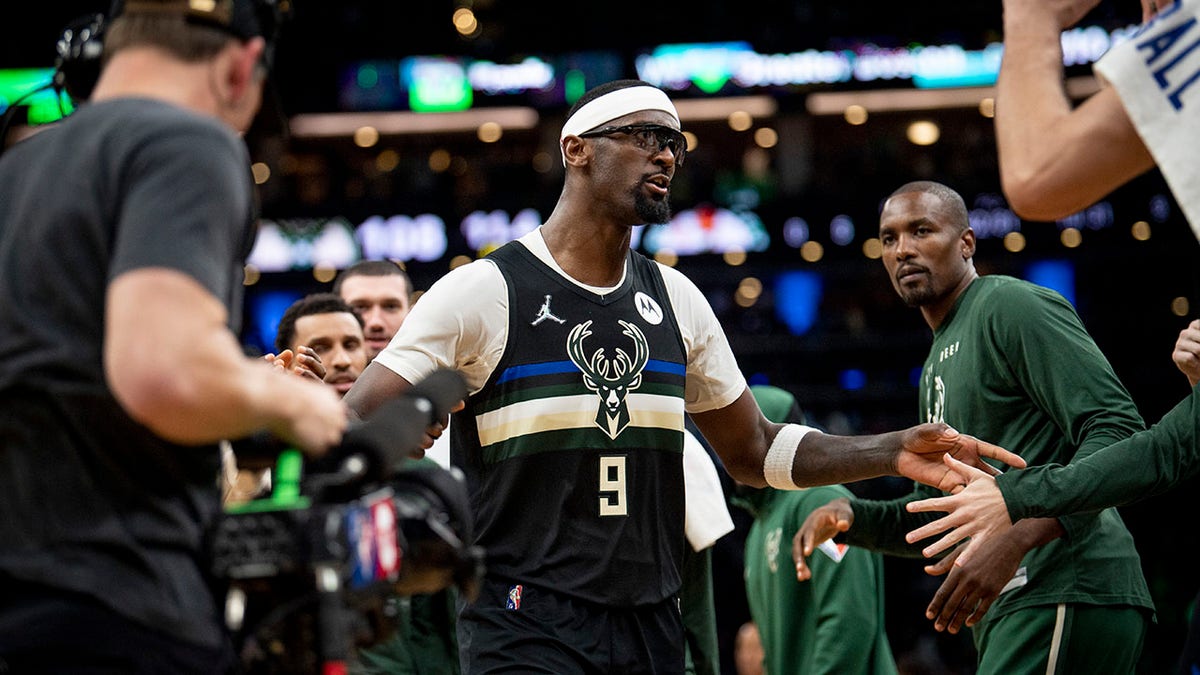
x=951, y=207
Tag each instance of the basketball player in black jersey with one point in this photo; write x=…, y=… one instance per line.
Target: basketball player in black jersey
x=582, y=358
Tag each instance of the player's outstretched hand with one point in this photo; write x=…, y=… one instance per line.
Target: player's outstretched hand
x=970, y=588
x=976, y=511
x=924, y=445
x=823, y=523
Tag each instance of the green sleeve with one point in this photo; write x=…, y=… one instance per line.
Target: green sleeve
x=880, y=525
x=1146, y=464
x=1048, y=351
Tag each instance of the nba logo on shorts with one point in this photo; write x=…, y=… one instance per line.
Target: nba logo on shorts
x=514, y=597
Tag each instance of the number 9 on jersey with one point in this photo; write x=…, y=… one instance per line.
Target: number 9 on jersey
x=612, y=486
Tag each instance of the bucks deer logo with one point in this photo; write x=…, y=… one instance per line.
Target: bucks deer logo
x=611, y=378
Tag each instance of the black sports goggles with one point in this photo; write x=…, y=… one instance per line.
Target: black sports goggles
x=649, y=137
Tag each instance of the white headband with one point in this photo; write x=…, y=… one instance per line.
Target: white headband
x=612, y=105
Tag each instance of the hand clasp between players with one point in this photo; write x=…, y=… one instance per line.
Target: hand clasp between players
x=925, y=444
x=976, y=511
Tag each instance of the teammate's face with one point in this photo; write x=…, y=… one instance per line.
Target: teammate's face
x=337, y=338
x=382, y=302
x=927, y=256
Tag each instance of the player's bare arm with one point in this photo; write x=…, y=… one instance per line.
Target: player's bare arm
x=754, y=450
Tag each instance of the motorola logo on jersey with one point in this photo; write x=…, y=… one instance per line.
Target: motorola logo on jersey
x=648, y=308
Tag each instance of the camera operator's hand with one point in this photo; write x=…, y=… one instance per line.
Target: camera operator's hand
x=315, y=417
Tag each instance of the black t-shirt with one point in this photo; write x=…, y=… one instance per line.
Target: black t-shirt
x=92, y=501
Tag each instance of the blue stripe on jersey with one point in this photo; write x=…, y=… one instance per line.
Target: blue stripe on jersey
x=556, y=367
x=667, y=367
x=534, y=369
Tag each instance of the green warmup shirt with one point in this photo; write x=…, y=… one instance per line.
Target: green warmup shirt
x=1146, y=464
x=1012, y=364
x=831, y=624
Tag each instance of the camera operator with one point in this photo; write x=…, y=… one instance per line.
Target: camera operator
x=123, y=232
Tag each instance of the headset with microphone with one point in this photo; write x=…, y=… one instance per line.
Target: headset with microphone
x=80, y=48
x=76, y=69
x=77, y=57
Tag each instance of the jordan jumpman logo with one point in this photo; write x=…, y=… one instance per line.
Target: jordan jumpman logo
x=545, y=313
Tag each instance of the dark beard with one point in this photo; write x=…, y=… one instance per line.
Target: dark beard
x=651, y=211
x=918, y=297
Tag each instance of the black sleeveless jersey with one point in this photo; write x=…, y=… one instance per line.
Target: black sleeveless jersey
x=573, y=448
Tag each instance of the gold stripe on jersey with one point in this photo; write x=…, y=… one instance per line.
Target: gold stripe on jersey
x=575, y=412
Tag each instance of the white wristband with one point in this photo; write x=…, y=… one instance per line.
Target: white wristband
x=777, y=467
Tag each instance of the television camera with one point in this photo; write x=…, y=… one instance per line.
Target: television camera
x=310, y=571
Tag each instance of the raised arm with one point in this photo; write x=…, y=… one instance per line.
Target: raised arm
x=1055, y=159
x=1187, y=352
